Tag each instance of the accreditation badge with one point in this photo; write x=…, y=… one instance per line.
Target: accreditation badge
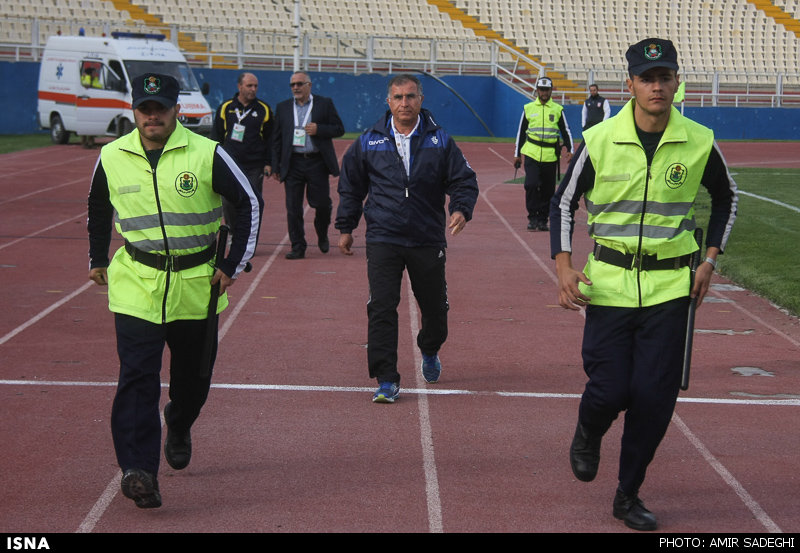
x=237, y=133
x=299, y=137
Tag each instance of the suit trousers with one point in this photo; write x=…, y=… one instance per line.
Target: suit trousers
x=540, y=184
x=426, y=271
x=307, y=176
x=633, y=358
x=135, y=419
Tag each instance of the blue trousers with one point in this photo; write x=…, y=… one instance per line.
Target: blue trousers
x=633, y=358
x=135, y=419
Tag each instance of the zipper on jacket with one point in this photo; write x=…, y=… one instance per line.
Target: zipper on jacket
x=638, y=257
x=166, y=247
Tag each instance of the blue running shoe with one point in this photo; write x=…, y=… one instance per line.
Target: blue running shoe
x=431, y=368
x=387, y=392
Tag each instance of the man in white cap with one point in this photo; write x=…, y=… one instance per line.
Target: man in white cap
x=543, y=131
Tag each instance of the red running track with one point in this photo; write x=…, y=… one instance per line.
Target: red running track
x=290, y=441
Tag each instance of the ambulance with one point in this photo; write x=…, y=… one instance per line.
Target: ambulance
x=85, y=84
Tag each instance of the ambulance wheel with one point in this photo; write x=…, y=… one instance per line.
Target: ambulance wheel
x=58, y=133
x=125, y=127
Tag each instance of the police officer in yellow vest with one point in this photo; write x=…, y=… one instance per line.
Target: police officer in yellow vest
x=162, y=186
x=543, y=131
x=640, y=172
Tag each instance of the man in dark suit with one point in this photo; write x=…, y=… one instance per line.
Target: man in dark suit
x=303, y=158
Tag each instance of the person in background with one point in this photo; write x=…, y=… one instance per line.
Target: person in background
x=540, y=127
x=243, y=125
x=595, y=108
x=304, y=158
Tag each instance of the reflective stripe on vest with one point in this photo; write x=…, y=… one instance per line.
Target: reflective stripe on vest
x=542, y=127
x=637, y=210
x=177, y=210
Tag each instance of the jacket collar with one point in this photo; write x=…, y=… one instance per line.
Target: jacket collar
x=625, y=131
x=132, y=143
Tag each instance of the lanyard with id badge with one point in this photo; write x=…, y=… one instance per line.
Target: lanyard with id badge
x=237, y=133
x=299, y=139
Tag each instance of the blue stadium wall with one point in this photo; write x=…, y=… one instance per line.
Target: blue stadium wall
x=360, y=100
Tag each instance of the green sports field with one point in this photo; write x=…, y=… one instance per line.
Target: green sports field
x=763, y=247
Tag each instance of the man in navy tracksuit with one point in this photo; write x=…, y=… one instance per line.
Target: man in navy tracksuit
x=404, y=166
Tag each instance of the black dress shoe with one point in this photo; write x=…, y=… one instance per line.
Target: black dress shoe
x=177, y=446
x=295, y=254
x=543, y=226
x=531, y=226
x=324, y=244
x=142, y=487
x=584, y=454
x=630, y=510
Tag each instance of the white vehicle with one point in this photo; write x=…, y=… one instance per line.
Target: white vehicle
x=84, y=84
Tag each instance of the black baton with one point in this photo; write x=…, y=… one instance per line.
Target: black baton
x=211, y=317
x=687, y=351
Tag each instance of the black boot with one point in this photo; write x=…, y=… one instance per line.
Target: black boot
x=584, y=454
x=177, y=446
x=630, y=510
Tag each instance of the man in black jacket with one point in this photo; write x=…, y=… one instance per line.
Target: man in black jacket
x=404, y=166
x=303, y=159
x=243, y=125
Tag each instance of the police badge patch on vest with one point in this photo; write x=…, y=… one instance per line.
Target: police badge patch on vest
x=552, y=117
x=186, y=184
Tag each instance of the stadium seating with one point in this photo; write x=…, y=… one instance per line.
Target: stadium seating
x=742, y=42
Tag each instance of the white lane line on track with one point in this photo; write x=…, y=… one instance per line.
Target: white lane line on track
x=426, y=432
x=41, y=190
x=42, y=314
x=40, y=231
x=406, y=391
x=728, y=478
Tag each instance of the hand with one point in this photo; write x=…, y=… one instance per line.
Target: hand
x=702, y=281
x=517, y=162
x=569, y=295
x=311, y=128
x=99, y=275
x=457, y=223
x=345, y=242
x=568, y=156
x=267, y=170
x=224, y=281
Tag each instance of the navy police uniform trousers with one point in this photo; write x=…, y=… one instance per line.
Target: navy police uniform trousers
x=135, y=419
x=633, y=358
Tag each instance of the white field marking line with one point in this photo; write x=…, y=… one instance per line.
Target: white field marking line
x=728, y=478
x=40, y=231
x=419, y=391
x=433, y=497
x=100, y=506
x=770, y=200
x=41, y=190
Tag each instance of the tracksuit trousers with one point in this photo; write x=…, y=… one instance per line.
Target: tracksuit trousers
x=426, y=271
x=135, y=419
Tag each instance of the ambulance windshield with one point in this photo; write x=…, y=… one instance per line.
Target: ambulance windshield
x=179, y=70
